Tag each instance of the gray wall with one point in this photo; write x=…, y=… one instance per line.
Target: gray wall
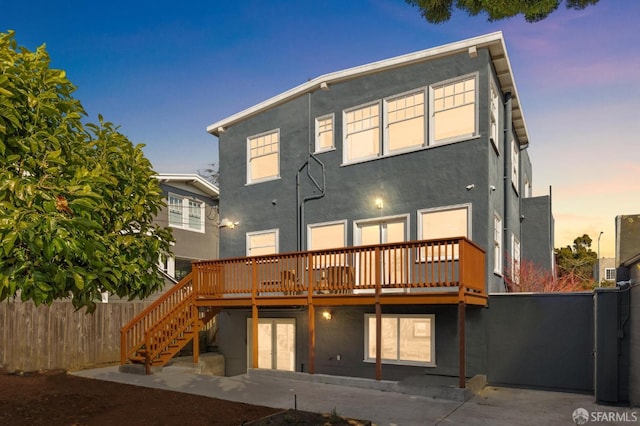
x=344, y=335
x=432, y=177
x=541, y=340
x=634, y=350
x=537, y=231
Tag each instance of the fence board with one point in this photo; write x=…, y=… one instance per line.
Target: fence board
x=58, y=337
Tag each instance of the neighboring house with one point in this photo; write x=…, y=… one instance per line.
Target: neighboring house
x=606, y=270
x=422, y=159
x=192, y=214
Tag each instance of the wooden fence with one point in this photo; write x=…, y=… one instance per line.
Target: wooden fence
x=58, y=337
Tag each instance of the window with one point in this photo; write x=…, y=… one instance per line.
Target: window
x=186, y=213
x=494, y=124
x=610, y=274
x=263, y=158
x=324, y=133
x=405, y=125
x=262, y=242
x=453, y=110
x=527, y=187
x=406, y=339
x=362, y=133
x=515, y=165
x=327, y=235
x=497, y=245
x=515, y=259
x=445, y=222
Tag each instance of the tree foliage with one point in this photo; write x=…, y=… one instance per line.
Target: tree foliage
x=211, y=173
x=439, y=11
x=76, y=201
x=578, y=259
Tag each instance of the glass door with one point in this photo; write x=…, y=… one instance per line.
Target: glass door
x=276, y=343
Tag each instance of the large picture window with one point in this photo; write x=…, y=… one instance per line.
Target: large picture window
x=263, y=157
x=186, y=213
x=362, y=133
x=453, y=110
x=444, y=222
x=405, y=339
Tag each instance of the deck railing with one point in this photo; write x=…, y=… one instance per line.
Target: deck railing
x=415, y=266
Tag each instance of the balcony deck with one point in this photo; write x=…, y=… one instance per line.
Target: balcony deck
x=446, y=271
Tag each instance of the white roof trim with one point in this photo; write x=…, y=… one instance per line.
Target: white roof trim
x=494, y=42
x=191, y=179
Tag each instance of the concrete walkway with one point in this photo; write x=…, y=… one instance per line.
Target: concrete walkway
x=491, y=406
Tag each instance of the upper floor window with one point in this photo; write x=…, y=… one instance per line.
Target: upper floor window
x=497, y=245
x=405, y=124
x=444, y=222
x=186, y=213
x=494, y=120
x=453, y=110
x=262, y=242
x=515, y=165
x=263, y=157
x=515, y=259
x=324, y=133
x=362, y=133
x=327, y=235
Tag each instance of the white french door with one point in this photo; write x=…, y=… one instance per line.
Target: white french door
x=276, y=343
x=388, y=230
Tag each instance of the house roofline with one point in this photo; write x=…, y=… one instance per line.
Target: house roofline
x=493, y=41
x=192, y=179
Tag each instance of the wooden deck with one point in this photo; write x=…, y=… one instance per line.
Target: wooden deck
x=446, y=271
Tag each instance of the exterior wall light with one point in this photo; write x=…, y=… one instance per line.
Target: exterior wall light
x=327, y=315
x=379, y=203
x=226, y=223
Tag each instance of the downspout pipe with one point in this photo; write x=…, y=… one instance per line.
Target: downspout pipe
x=508, y=137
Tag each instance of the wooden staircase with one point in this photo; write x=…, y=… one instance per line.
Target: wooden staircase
x=166, y=326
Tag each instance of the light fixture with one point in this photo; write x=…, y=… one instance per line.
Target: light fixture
x=492, y=187
x=470, y=187
x=226, y=223
x=327, y=314
x=379, y=203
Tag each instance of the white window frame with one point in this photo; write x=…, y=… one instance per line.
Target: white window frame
x=386, y=142
x=320, y=131
x=516, y=264
x=250, y=179
x=494, y=116
x=346, y=134
x=312, y=226
x=432, y=110
x=398, y=361
x=248, y=236
x=609, y=274
x=497, y=244
x=429, y=256
x=186, y=211
x=515, y=166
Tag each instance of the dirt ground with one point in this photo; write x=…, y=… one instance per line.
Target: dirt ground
x=55, y=398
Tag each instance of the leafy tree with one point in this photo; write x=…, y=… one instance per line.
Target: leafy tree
x=76, y=201
x=578, y=260
x=439, y=11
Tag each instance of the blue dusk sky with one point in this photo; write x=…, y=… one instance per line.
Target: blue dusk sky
x=164, y=71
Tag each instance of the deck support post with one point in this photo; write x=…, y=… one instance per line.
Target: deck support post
x=462, y=351
x=312, y=339
x=254, y=336
x=378, y=277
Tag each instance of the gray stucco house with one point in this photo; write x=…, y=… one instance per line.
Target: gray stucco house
x=428, y=146
x=192, y=213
